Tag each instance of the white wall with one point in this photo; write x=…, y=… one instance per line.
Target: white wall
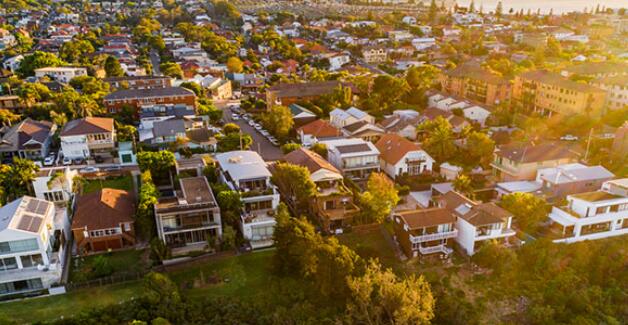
x=466, y=236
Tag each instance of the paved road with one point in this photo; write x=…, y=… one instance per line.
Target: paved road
x=260, y=143
x=155, y=60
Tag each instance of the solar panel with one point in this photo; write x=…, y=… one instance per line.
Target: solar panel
x=37, y=206
x=32, y=206
x=25, y=222
x=42, y=207
x=34, y=227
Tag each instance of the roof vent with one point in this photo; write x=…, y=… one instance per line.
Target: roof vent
x=235, y=160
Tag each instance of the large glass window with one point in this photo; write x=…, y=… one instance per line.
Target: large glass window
x=17, y=246
x=8, y=263
x=31, y=260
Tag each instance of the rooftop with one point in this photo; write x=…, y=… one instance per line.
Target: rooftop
x=596, y=196
x=426, y=218
x=148, y=93
x=104, y=209
x=88, y=125
x=526, y=153
x=243, y=164
x=557, y=80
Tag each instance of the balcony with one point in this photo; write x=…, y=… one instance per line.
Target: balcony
x=208, y=224
x=244, y=193
x=505, y=168
x=435, y=249
x=494, y=233
x=346, y=166
x=434, y=236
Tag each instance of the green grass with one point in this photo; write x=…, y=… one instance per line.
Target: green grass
x=121, y=262
x=371, y=244
x=120, y=183
x=49, y=308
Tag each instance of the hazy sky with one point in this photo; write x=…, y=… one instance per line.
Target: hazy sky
x=559, y=6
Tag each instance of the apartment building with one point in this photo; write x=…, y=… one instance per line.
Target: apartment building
x=616, y=88
x=139, y=82
x=521, y=161
x=549, y=93
x=426, y=231
x=592, y=215
x=471, y=81
x=355, y=158
x=88, y=137
x=33, y=248
x=247, y=173
x=60, y=74
x=333, y=202
x=190, y=218
x=286, y=94
x=136, y=98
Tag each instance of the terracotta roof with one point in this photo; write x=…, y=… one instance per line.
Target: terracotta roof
x=476, y=72
x=104, y=209
x=311, y=160
x=306, y=89
x=393, y=147
x=149, y=93
x=426, y=218
x=320, y=129
x=526, y=153
x=88, y=125
x=486, y=213
x=452, y=199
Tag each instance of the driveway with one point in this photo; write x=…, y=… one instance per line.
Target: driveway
x=260, y=144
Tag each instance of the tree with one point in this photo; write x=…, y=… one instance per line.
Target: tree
x=160, y=251
x=37, y=60
x=278, y=120
x=159, y=290
x=379, y=297
x=496, y=256
x=229, y=236
x=230, y=206
x=527, y=209
x=112, y=67
x=231, y=128
x=289, y=147
x=7, y=117
x=206, y=107
x=125, y=132
x=499, y=10
x=193, y=86
x=89, y=85
x=553, y=47
x=16, y=179
x=386, y=91
x=234, y=141
x=379, y=198
x=320, y=148
x=234, y=65
x=148, y=196
x=31, y=93
x=295, y=239
x=171, y=69
x=462, y=184
x=295, y=183
x=76, y=51
x=420, y=79
x=438, y=138
x=158, y=163
x=479, y=149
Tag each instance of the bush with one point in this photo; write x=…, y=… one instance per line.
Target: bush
x=101, y=267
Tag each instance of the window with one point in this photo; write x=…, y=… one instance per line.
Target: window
x=31, y=260
x=18, y=246
x=8, y=263
x=55, y=196
x=23, y=285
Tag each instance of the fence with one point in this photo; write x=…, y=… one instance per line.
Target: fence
x=113, y=279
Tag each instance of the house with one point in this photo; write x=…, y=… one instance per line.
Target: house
x=28, y=139
x=190, y=218
x=477, y=223
x=409, y=20
x=61, y=74
x=247, y=173
x=54, y=184
x=425, y=231
x=7, y=40
x=103, y=221
x=549, y=93
x=340, y=118
x=88, y=137
x=315, y=131
x=33, y=237
x=372, y=54
x=355, y=158
x=470, y=111
x=10, y=102
x=449, y=172
x=135, y=98
x=517, y=161
x=471, y=81
x=402, y=123
x=333, y=202
x=126, y=153
x=337, y=60
x=562, y=180
x=139, y=82
x=458, y=123
x=220, y=89
x=592, y=215
x=363, y=130
x=286, y=94
x=13, y=63
x=301, y=115
x=423, y=43
x=399, y=157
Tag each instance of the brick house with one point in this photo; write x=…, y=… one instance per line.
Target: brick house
x=115, y=101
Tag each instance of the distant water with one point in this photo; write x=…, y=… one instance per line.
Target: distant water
x=559, y=6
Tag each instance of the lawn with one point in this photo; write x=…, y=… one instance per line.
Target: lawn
x=120, y=183
x=49, y=308
x=371, y=244
x=86, y=268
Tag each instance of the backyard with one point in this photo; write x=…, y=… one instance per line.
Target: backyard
x=109, y=264
x=120, y=183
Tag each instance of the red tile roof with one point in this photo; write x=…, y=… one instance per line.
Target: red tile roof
x=320, y=129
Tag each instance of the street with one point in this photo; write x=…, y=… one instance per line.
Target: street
x=260, y=143
x=155, y=60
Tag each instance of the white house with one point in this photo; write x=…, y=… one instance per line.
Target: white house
x=399, y=156
x=593, y=215
x=13, y=63
x=354, y=157
x=423, y=43
x=33, y=238
x=477, y=223
x=61, y=74
x=341, y=118
x=247, y=173
x=337, y=60
x=409, y=20
x=88, y=136
x=54, y=184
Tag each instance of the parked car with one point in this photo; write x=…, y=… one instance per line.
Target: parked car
x=113, y=168
x=50, y=160
x=274, y=142
x=89, y=169
x=99, y=159
x=78, y=161
x=264, y=133
x=569, y=137
x=235, y=116
x=67, y=161
x=257, y=126
x=252, y=123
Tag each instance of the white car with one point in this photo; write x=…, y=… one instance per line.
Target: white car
x=235, y=117
x=50, y=160
x=264, y=133
x=569, y=137
x=252, y=123
x=274, y=142
x=67, y=161
x=89, y=170
x=257, y=126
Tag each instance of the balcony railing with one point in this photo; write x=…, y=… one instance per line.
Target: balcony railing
x=495, y=233
x=189, y=226
x=434, y=236
x=435, y=249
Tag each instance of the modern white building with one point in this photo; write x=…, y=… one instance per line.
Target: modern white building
x=247, y=173
x=340, y=118
x=32, y=245
x=54, y=184
x=88, y=136
x=354, y=157
x=61, y=74
x=593, y=215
